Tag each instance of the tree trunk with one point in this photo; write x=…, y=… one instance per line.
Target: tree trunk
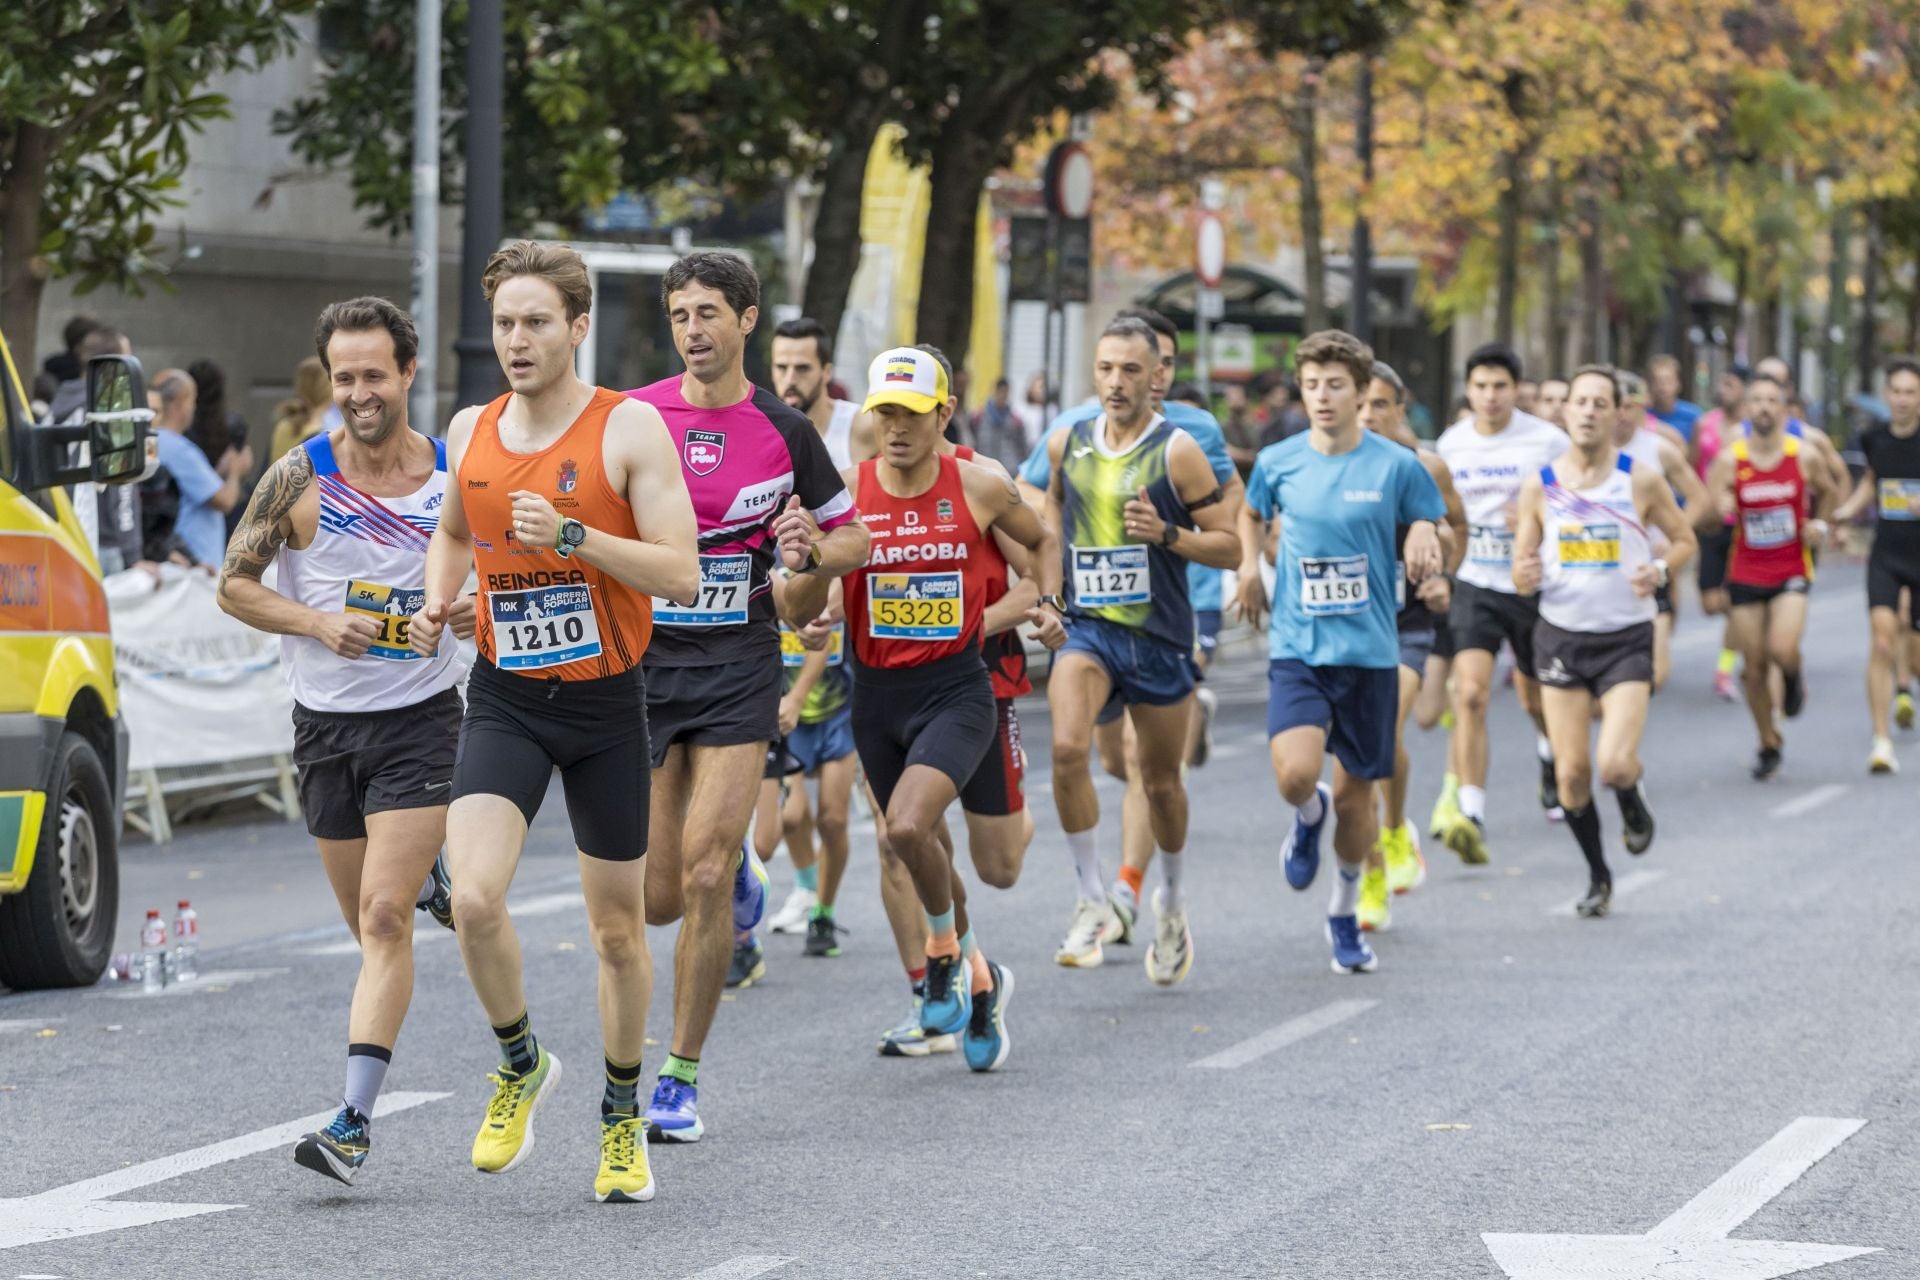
x=1593, y=289
x=1512, y=197
x=23, y=273
x=1304, y=120
x=836, y=227
x=961, y=167
x=1737, y=340
x=1553, y=287
x=1869, y=360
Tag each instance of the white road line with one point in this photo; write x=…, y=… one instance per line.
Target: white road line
x=1288, y=1032
x=743, y=1268
x=199, y=986
x=1741, y=1191
x=426, y=933
x=1808, y=802
x=14, y=1026
x=83, y=1209
x=1632, y=882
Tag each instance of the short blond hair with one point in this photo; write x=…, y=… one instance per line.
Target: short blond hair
x=557, y=264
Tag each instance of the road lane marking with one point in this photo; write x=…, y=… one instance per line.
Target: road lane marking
x=1632, y=882
x=742, y=1268
x=1693, y=1241
x=201, y=985
x=545, y=905
x=83, y=1208
x=1289, y=1032
x=1808, y=802
x=14, y=1026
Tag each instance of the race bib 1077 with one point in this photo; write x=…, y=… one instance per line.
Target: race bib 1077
x=723, y=596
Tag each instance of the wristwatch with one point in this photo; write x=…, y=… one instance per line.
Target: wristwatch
x=572, y=534
x=1169, y=535
x=1055, y=602
x=813, y=559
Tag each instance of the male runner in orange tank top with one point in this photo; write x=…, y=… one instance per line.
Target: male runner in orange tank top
x=569, y=501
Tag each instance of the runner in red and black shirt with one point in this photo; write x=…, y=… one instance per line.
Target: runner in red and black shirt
x=1764, y=484
x=923, y=709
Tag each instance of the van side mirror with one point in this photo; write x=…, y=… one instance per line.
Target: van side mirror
x=119, y=423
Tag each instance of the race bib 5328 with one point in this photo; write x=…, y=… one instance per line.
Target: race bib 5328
x=1106, y=576
x=543, y=626
x=393, y=608
x=915, y=606
x=722, y=601
x=1589, y=546
x=1331, y=585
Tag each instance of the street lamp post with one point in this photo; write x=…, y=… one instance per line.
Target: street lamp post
x=480, y=230
x=426, y=209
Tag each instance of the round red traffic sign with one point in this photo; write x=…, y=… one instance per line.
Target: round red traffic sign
x=1210, y=250
x=1069, y=180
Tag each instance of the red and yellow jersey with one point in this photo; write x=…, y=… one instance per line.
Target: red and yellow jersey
x=922, y=595
x=1768, y=547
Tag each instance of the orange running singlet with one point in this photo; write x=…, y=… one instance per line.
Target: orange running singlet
x=538, y=614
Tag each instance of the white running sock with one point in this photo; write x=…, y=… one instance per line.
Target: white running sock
x=1171, y=865
x=1346, y=888
x=1543, y=746
x=1314, y=809
x=1473, y=801
x=1085, y=847
x=426, y=893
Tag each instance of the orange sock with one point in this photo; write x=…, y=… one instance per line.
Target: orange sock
x=982, y=975
x=946, y=943
x=1131, y=877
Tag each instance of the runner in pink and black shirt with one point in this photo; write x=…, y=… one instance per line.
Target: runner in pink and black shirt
x=713, y=671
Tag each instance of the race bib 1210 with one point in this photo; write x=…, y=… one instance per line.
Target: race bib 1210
x=543, y=626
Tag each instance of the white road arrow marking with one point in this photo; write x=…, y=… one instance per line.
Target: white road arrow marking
x=83, y=1209
x=1693, y=1242
x=426, y=933
x=1289, y=1032
x=741, y=1268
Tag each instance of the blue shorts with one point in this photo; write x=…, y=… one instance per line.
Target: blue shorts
x=1206, y=626
x=1145, y=671
x=816, y=744
x=1356, y=706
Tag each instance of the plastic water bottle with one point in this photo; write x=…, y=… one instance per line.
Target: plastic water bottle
x=153, y=954
x=186, y=943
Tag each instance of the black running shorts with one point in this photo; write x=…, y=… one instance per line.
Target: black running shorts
x=1481, y=618
x=1740, y=593
x=998, y=786
x=1716, y=549
x=941, y=715
x=519, y=729
x=725, y=705
x=354, y=763
x=1886, y=574
x=1593, y=660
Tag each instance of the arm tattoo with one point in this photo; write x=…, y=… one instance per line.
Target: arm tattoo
x=262, y=531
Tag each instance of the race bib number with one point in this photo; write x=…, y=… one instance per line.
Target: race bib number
x=1105, y=576
x=1589, y=546
x=1490, y=545
x=1769, y=527
x=1899, y=499
x=393, y=608
x=1333, y=585
x=722, y=601
x=793, y=654
x=915, y=606
x=543, y=626
x=1399, y=585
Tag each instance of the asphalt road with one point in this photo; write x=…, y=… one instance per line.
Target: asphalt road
x=1509, y=1069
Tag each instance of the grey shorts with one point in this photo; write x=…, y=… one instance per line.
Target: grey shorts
x=1415, y=647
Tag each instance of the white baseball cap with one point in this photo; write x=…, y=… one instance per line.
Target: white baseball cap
x=906, y=376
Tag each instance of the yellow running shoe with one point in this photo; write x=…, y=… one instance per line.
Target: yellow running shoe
x=1406, y=866
x=1372, y=910
x=1468, y=838
x=1903, y=709
x=1445, y=809
x=506, y=1135
x=624, y=1174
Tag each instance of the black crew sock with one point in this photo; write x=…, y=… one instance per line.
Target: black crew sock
x=1632, y=807
x=1585, y=825
x=622, y=1096
x=517, y=1045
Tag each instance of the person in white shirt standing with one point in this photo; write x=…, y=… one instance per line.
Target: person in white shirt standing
x=1491, y=453
x=346, y=516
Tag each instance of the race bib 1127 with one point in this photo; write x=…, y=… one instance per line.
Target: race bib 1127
x=1490, y=545
x=1107, y=576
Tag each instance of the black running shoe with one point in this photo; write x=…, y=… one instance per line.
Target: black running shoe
x=1636, y=819
x=1793, y=696
x=1766, y=764
x=1549, y=786
x=749, y=963
x=823, y=936
x=1598, y=901
x=440, y=904
x=340, y=1149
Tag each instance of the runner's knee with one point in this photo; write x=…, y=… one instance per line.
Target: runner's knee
x=619, y=942
x=478, y=910
x=1619, y=769
x=384, y=918
x=1071, y=758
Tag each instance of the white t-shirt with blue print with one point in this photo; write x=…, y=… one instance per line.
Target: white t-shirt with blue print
x=1339, y=581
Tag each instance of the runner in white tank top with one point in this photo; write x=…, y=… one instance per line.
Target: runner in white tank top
x=1641, y=439
x=1583, y=541
x=375, y=725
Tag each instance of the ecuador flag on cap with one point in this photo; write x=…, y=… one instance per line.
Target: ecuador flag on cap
x=906, y=376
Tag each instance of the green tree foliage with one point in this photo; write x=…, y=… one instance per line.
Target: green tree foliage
x=99, y=100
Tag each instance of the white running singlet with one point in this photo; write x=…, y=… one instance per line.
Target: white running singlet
x=1591, y=543
x=1645, y=449
x=1488, y=471
x=839, y=437
x=369, y=557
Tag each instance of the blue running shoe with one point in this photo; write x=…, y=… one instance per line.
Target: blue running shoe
x=674, y=1113
x=986, y=1041
x=947, y=1007
x=337, y=1150
x=749, y=890
x=1351, y=954
x=1301, y=860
